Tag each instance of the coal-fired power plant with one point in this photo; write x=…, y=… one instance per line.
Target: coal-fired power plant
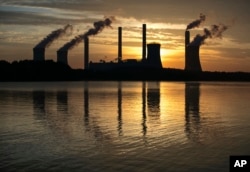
x=151, y=57
x=152, y=61
x=192, y=58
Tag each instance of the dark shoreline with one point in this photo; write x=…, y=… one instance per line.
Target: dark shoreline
x=49, y=70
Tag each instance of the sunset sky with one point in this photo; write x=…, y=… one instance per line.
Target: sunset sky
x=24, y=23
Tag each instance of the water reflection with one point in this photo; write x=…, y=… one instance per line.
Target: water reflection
x=90, y=122
x=144, y=116
x=62, y=101
x=122, y=125
x=39, y=101
x=53, y=106
x=153, y=99
x=119, y=118
x=86, y=104
x=192, y=111
x=150, y=93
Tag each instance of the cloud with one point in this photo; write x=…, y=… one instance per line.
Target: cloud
x=23, y=15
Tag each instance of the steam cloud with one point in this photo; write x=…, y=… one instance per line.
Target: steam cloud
x=98, y=27
x=215, y=32
x=47, y=41
x=197, y=22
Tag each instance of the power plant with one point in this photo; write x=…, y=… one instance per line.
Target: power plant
x=151, y=58
x=152, y=61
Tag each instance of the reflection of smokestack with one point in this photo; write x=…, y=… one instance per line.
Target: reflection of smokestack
x=154, y=57
x=193, y=59
x=62, y=101
x=62, y=57
x=119, y=108
x=39, y=102
x=119, y=44
x=192, y=111
x=192, y=99
x=144, y=42
x=86, y=53
x=144, y=117
x=39, y=54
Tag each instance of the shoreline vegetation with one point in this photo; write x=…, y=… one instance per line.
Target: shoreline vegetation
x=29, y=70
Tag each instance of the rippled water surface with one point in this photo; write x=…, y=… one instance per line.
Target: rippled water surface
x=123, y=126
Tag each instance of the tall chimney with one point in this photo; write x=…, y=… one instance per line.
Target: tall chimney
x=86, y=53
x=187, y=42
x=187, y=38
x=154, y=57
x=144, y=42
x=39, y=54
x=119, y=44
x=62, y=56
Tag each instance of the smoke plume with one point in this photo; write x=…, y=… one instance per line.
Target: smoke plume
x=197, y=22
x=214, y=32
x=47, y=41
x=98, y=27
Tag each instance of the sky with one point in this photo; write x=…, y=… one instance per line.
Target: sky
x=24, y=23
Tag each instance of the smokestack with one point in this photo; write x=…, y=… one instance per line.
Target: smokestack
x=38, y=54
x=144, y=42
x=86, y=53
x=119, y=44
x=62, y=57
x=154, y=57
x=187, y=38
x=192, y=62
x=187, y=42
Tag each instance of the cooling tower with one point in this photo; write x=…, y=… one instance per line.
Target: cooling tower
x=119, y=44
x=62, y=56
x=86, y=53
x=39, y=54
x=193, y=59
x=154, y=57
x=144, y=42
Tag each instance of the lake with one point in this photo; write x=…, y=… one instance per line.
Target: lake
x=123, y=126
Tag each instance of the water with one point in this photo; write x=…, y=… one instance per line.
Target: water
x=123, y=126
